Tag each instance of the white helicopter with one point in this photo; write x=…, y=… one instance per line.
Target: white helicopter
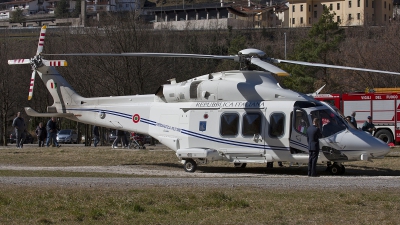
x=239, y=116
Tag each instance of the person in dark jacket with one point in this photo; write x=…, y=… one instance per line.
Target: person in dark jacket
x=96, y=135
x=41, y=134
x=313, y=136
x=368, y=126
x=353, y=119
x=51, y=128
x=19, y=125
x=120, y=137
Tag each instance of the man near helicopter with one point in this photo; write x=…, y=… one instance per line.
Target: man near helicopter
x=368, y=126
x=313, y=136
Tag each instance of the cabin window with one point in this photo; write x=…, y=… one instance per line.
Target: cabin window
x=301, y=123
x=229, y=124
x=251, y=124
x=276, y=125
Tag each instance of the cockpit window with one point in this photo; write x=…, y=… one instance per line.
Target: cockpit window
x=307, y=104
x=330, y=122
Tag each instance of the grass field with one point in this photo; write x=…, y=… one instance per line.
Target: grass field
x=194, y=205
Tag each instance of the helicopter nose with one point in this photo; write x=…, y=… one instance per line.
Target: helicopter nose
x=367, y=146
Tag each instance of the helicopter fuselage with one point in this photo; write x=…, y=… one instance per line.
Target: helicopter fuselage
x=237, y=116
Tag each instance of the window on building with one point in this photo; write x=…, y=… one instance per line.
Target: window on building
x=366, y=3
x=384, y=5
x=358, y=16
x=309, y=8
x=293, y=20
x=315, y=14
x=384, y=18
x=338, y=19
x=331, y=7
x=276, y=125
x=349, y=16
x=301, y=8
x=309, y=20
x=373, y=4
x=301, y=20
x=358, y=3
x=229, y=125
x=338, y=6
x=389, y=6
x=251, y=124
x=349, y=4
x=293, y=8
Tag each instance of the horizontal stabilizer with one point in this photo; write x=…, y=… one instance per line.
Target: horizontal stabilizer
x=19, y=61
x=31, y=112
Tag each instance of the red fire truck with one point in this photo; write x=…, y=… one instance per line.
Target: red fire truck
x=383, y=107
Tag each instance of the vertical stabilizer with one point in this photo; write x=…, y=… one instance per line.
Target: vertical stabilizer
x=62, y=92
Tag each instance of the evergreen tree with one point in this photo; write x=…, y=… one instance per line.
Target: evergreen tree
x=324, y=38
x=77, y=11
x=17, y=16
x=61, y=10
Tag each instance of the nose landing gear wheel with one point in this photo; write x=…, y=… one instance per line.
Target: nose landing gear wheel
x=190, y=165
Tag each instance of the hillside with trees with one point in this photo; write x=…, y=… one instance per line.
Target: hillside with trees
x=365, y=47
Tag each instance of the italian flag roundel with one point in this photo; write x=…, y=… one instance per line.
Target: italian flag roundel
x=53, y=85
x=136, y=118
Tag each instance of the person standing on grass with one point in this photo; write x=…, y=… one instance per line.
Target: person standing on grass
x=96, y=135
x=313, y=136
x=52, y=132
x=19, y=125
x=41, y=134
x=120, y=137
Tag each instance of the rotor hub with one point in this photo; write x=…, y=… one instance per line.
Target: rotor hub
x=36, y=62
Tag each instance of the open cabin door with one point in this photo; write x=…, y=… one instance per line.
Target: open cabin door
x=298, y=134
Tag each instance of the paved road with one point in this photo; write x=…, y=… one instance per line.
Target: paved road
x=207, y=177
x=268, y=181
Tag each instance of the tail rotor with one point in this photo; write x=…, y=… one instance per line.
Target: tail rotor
x=37, y=61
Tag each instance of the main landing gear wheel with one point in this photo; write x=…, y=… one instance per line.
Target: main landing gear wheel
x=190, y=165
x=336, y=169
x=240, y=165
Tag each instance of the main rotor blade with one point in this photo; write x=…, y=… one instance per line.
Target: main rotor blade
x=41, y=40
x=19, y=61
x=269, y=67
x=31, y=85
x=140, y=54
x=332, y=66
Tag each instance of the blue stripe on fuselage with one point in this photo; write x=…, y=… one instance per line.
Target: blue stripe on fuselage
x=188, y=132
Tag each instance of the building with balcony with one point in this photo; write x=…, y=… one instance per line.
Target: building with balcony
x=304, y=13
